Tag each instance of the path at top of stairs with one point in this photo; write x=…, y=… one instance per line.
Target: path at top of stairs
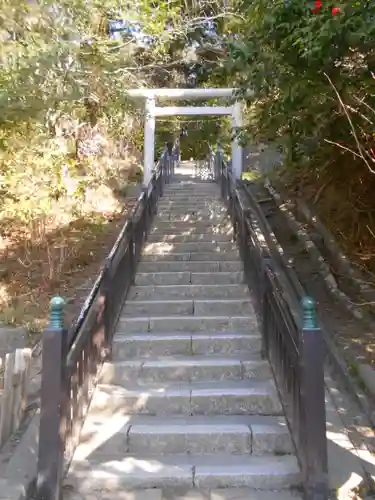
x=187, y=405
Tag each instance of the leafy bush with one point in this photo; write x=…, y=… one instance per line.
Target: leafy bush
x=312, y=78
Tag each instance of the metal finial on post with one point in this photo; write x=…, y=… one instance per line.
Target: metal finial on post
x=56, y=320
x=309, y=314
x=53, y=401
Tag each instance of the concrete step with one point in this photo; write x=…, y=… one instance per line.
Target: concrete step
x=212, y=343
x=185, y=369
x=199, y=435
x=161, y=248
x=239, y=397
x=190, y=266
x=184, y=471
x=162, y=324
x=189, y=238
x=186, y=278
x=192, y=256
x=198, y=292
x=188, y=307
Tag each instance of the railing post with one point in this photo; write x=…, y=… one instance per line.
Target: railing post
x=165, y=166
x=108, y=313
x=171, y=160
x=163, y=176
x=263, y=305
x=313, y=427
x=53, y=406
x=216, y=166
x=132, y=257
x=147, y=214
x=168, y=163
x=175, y=158
x=221, y=171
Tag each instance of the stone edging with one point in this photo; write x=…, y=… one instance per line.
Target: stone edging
x=337, y=363
x=329, y=280
x=342, y=262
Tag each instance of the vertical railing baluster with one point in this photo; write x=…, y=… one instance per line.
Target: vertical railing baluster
x=53, y=406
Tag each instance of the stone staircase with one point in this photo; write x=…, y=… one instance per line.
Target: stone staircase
x=187, y=406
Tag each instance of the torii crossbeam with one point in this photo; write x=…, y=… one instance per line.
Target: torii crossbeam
x=152, y=112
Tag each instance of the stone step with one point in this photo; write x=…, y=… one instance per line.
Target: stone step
x=207, y=212
x=208, y=200
x=186, y=278
x=187, y=494
x=191, y=266
x=188, y=195
x=162, y=248
x=185, y=369
x=189, y=238
x=192, y=227
x=192, y=256
x=129, y=346
x=197, y=204
x=192, y=187
x=205, y=307
x=190, y=182
x=208, y=434
x=186, y=199
x=198, y=217
x=163, y=292
x=184, y=471
x=239, y=397
x=241, y=493
x=162, y=324
x=203, y=435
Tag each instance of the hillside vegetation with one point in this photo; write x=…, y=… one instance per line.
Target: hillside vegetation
x=312, y=71
x=71, y=141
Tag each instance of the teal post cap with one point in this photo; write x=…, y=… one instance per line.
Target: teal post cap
x=309, y=313
x=56, y=321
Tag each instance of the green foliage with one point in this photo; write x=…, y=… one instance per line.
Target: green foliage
x=202, y=133
x=312, y=78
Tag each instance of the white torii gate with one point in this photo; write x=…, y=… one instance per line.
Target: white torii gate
x=152, y=112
